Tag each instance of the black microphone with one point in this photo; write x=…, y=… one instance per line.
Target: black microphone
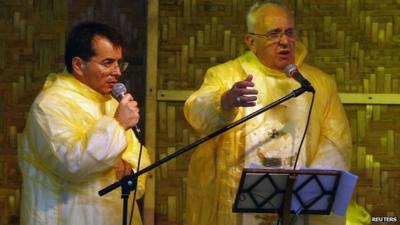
x=118, y=91
x=292, y=72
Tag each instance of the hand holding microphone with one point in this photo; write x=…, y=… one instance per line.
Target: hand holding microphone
x=127, y=113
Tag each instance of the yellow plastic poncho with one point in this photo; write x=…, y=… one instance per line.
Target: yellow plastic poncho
x=216, y=166
x=67, y=154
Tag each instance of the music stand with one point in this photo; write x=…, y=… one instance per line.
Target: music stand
x=286, y=191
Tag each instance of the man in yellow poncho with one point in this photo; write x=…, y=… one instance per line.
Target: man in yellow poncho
x=241, y=86
x=77, y=139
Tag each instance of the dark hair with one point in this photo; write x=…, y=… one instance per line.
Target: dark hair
x=79, y=41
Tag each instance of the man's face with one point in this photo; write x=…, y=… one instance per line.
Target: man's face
x=102, y=71
x=275, y=47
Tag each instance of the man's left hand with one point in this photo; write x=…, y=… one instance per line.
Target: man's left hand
x=122, y=168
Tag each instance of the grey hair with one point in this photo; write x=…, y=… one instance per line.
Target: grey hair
x=250, y=18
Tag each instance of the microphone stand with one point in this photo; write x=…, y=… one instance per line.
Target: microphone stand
x=128, y=183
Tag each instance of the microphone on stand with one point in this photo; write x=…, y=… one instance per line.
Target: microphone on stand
x=292, y=71
x=118, y=91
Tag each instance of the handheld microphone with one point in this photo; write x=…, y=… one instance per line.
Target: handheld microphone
x=292, y=72
x=118, y=91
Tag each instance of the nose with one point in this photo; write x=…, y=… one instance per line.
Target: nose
x=283, y=39
x=116, y=71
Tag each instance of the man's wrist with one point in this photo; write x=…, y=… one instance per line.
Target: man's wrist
x=225, y=104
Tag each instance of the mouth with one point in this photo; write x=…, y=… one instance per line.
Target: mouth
x=284, y=54
x=109, y=85
x=112, y=83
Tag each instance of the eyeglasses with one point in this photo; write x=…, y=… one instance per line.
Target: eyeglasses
x=111, y=65
x=277, y=34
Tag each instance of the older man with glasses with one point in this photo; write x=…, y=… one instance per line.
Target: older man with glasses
x=77, y=139
x=241, y=86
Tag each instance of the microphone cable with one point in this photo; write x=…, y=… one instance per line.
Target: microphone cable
x=138, y=135
x=305, y=131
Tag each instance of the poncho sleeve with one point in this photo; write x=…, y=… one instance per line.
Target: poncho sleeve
x=203, y=108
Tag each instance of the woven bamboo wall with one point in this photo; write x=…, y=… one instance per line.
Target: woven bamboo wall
x=32, y=38
x=31, y=45
x=356, y=41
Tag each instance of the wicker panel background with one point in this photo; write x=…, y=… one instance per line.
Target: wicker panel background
x=32, y=38
x=356, y=41
x=31, y=46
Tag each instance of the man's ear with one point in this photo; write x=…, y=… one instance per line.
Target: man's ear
x=249, y=40
x=78, y=66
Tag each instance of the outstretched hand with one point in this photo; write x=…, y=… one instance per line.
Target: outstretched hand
x=242, y=94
